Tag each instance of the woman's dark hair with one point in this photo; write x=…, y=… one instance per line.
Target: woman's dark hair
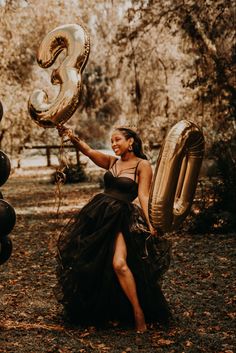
x=137, y=144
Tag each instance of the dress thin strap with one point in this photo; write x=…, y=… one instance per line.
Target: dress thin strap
x=135, y=173
x=114, y=162
x=113, y=165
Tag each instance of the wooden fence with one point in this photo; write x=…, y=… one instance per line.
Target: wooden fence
x=49, y=148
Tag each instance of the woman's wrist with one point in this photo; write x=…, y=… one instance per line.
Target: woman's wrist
x=149, y=225
x=74, y=138
x=69, y=133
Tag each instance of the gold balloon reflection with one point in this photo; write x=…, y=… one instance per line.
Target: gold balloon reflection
x=74, y=39
x=176, y=176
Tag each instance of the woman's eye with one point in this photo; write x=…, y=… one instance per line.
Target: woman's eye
x=116, y=139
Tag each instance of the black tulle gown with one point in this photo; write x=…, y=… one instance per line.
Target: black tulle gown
x=87, y=286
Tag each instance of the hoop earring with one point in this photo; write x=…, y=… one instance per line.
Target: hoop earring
x=130, y=148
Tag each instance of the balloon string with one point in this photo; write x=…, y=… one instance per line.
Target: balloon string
x=60, y=178
x=58, y=197
x=145, y=247
x=63, y=160
x=60, y=175
x=59, y=181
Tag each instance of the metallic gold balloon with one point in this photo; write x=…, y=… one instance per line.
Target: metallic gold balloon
x=176, y=176
x=74, y=39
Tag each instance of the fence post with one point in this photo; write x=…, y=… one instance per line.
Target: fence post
x=77, y=156
x=48, y=156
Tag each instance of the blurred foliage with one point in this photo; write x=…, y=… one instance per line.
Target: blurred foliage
x=181, y=55
x=225, y=154
x=214, y=207
x=211, y=213
x=101, y=109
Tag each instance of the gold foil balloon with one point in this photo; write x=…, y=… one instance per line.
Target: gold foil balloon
x=176, y=176
x=74, y=39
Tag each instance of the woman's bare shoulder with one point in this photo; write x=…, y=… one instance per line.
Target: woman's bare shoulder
x=144, y=167
x=143, y=164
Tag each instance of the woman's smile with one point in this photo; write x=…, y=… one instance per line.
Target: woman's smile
x=116, y=149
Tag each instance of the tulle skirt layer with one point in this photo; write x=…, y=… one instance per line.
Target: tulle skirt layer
x=87, y=286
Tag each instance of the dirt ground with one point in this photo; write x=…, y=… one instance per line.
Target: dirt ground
x=199, y=284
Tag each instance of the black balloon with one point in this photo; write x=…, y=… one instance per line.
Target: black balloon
x=7, y=218
x=5, y=249
x=5, y=167
x=1, y=111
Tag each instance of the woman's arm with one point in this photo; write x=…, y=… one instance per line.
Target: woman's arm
x=100, y=159
x=144, y=182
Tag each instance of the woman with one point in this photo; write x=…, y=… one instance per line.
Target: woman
x=102, y=274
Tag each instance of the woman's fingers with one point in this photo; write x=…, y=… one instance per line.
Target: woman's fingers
x=153, y=232
x=64, y=131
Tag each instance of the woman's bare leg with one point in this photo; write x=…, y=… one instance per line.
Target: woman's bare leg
x=127, y=282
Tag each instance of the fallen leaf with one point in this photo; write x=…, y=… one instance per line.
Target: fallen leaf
x=165, y=342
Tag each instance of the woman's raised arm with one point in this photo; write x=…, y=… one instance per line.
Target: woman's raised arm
x=100, y=159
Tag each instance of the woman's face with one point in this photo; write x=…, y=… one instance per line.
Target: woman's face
x=119, y=143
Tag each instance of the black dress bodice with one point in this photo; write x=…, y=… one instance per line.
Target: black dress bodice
x=122, y=188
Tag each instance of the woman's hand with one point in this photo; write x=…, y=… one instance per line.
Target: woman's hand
x=153, y=231
x=64, y=131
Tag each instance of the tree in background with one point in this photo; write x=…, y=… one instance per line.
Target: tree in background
x=178, y=60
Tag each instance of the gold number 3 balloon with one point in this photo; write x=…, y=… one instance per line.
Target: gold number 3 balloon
x=73, y=38
x=176, y=176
